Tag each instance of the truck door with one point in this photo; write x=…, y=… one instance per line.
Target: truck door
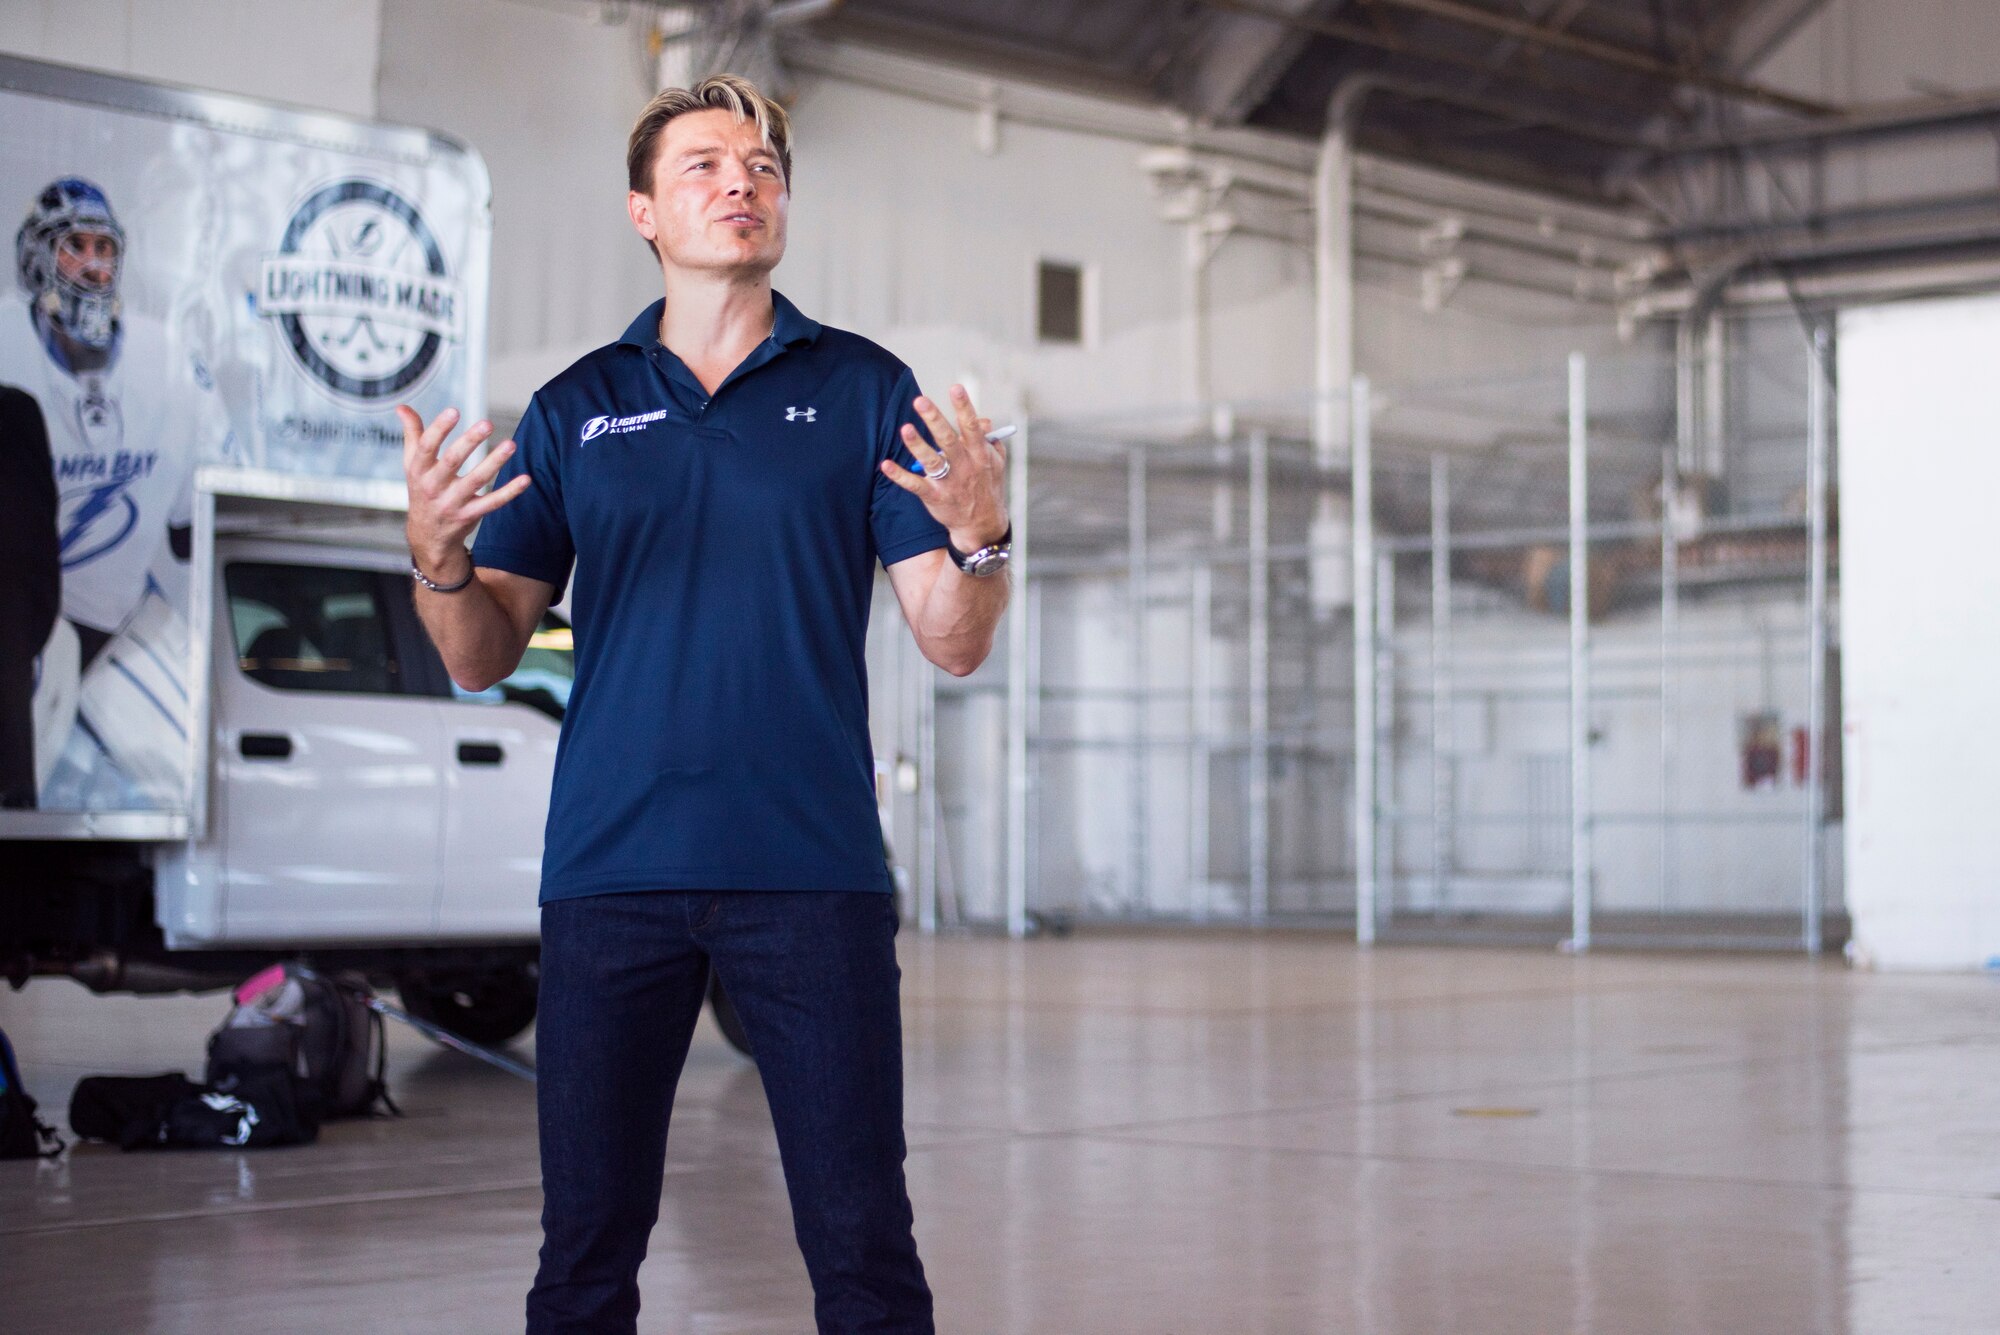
x=328, y=773
x=500, y=755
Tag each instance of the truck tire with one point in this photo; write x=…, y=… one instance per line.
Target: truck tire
x=726, y=1019
x=487, y=1007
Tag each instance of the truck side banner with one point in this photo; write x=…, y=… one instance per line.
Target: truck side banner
x=195, y=279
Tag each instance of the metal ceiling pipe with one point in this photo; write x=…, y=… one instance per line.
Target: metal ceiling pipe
x=1590, y=131
x=1333, y=266
x=1882, y=284
x=1337, y=409
x=1817, y=224
x=1487, y=274
x=1853, y=125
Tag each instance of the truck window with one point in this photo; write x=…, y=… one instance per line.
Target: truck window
x=311, y=628
x=545, y=675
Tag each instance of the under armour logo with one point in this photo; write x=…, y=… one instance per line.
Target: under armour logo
x=794, y=414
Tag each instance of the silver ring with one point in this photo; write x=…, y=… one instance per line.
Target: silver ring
x=938, y=471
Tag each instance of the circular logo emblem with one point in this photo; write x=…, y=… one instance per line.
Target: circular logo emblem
x=360, y=291
x=596, y=427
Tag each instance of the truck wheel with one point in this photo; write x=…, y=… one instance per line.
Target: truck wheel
x=488, y=1007
x=726, y=1019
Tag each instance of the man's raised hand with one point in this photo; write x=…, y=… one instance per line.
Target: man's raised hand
x=964, y=482
x=445, y=507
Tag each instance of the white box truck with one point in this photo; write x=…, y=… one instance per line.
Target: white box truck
x=226, y=736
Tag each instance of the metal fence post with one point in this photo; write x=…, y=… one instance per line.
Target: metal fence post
x=1579, y=658
x=1442, y=786
x=928, y=814
x=1670, y=614
x=1019, y=682
x=1362, y=472
x=1201, y=727
x=1136, y=596
x=1259, y=665
x=1818, y=452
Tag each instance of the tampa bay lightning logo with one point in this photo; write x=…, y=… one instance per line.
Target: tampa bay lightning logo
x=95, y=519
x=361, y=292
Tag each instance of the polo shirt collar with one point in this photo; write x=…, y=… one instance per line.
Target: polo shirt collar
x=790, y=327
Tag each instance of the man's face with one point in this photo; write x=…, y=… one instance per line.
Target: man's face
x=719, y=200
x=88, y=259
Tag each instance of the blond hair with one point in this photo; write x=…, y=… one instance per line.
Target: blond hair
x=726, y=92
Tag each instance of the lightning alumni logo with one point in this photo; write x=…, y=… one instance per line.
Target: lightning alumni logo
x=361, y=291
x=618, y=426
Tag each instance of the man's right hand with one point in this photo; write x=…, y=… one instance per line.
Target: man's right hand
x=444, y=507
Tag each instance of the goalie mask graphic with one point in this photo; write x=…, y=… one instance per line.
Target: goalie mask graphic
x=67, y=257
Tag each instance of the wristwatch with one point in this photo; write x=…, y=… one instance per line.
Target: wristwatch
x=988, y=560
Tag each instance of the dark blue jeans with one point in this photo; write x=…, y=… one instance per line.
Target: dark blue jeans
x=815, y=982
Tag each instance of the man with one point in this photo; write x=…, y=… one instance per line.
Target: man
x=127, y=416
x=31, y=595
x=722, y=481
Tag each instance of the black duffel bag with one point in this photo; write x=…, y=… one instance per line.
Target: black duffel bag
x=251, y=1109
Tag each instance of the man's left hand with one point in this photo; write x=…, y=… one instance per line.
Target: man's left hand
x=964, y=482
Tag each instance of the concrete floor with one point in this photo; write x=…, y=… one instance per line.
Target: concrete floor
x=1162, y=1135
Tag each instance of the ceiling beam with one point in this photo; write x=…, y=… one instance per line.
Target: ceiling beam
x=1557, y=15
x=1242, y=58
x=983, y=51
x=1764, y=29
x=1386, y=39
x=1608, y=53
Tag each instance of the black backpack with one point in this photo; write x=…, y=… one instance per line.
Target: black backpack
x=23, y=1135
x=317, y=1027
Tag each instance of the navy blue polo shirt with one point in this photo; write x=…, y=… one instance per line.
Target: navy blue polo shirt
x=724, y=550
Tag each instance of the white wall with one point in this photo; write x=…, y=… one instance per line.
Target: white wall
x=1920, y=628
x=547, y=94
x=903, y=230
x=1485, y=330
x=310, y=53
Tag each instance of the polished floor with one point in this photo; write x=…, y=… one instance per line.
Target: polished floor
x=1160, y=1135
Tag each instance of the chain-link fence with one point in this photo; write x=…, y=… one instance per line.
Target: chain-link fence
x=1602, y=582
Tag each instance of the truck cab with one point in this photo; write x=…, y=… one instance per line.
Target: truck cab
x=353, y=804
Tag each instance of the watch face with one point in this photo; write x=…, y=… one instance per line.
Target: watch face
x=985, y=563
